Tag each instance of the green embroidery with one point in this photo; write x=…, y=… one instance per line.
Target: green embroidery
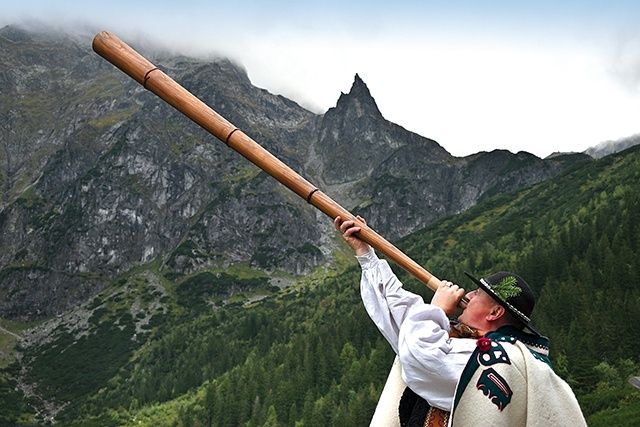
x=506, y=288
x=495, y=387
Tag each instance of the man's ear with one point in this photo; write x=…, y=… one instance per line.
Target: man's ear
x=495, y=313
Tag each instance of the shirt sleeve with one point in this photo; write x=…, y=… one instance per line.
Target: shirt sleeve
x=418, y=332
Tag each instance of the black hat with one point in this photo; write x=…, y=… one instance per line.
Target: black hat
x=511, y=292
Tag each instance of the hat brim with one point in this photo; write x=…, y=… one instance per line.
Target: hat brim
x=516, y=314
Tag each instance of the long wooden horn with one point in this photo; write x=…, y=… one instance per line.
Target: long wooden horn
x=144, y=72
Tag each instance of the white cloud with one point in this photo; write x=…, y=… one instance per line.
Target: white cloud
x=471, y=81
x=468, y=97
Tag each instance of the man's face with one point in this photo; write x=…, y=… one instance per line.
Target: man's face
x=479, y=306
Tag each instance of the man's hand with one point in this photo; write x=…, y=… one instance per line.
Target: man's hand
x=447, y=297
x=348, y=230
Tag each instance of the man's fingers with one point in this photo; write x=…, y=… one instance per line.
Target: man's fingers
x=446, y=284
x=346, y=225
x=452, y=288
x=349, y=231
x=341, y=225
x=348, y=228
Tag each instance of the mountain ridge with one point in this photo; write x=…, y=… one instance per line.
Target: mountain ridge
x=99, y=176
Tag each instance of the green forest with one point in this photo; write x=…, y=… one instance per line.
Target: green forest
x=308, y=355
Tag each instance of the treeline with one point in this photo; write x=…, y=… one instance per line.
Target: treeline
x=308, y=356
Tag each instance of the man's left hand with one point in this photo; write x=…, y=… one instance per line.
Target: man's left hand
x=447, y=297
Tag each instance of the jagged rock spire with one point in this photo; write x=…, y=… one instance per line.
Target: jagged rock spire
x=358, y=99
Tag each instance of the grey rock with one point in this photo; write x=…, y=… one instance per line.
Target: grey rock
x=99, y=176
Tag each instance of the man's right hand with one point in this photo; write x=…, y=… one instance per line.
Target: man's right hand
x=349, y=229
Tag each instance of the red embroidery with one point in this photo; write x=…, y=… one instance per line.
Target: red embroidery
x=436, y=418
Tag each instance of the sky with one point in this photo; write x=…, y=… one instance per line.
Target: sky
x=537, y=76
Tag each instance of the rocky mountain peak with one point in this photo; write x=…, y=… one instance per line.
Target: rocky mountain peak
x=14, y=34
x=608, y=147
x=358, y=102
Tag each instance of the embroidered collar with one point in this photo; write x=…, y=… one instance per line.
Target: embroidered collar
x=538, y=345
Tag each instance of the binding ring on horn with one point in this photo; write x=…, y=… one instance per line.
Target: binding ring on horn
x=310, y=195
x=226, y=141
x=146, y=77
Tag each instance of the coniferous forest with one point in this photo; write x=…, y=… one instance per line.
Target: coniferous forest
x=308, y=355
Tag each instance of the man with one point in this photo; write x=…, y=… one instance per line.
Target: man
x=496, y=374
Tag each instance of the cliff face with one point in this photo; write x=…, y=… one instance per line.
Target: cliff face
x=98, y=176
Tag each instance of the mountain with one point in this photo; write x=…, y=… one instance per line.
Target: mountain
x=606, y=147
x=98, y=176
x=609, y=147
x=148, y=351
x=151, y=276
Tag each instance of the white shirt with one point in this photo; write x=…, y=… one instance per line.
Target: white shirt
x=418, y=332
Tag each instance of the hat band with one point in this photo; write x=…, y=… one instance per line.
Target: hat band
x=518, y=312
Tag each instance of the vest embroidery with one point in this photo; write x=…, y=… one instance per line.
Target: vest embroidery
x=495, y=388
